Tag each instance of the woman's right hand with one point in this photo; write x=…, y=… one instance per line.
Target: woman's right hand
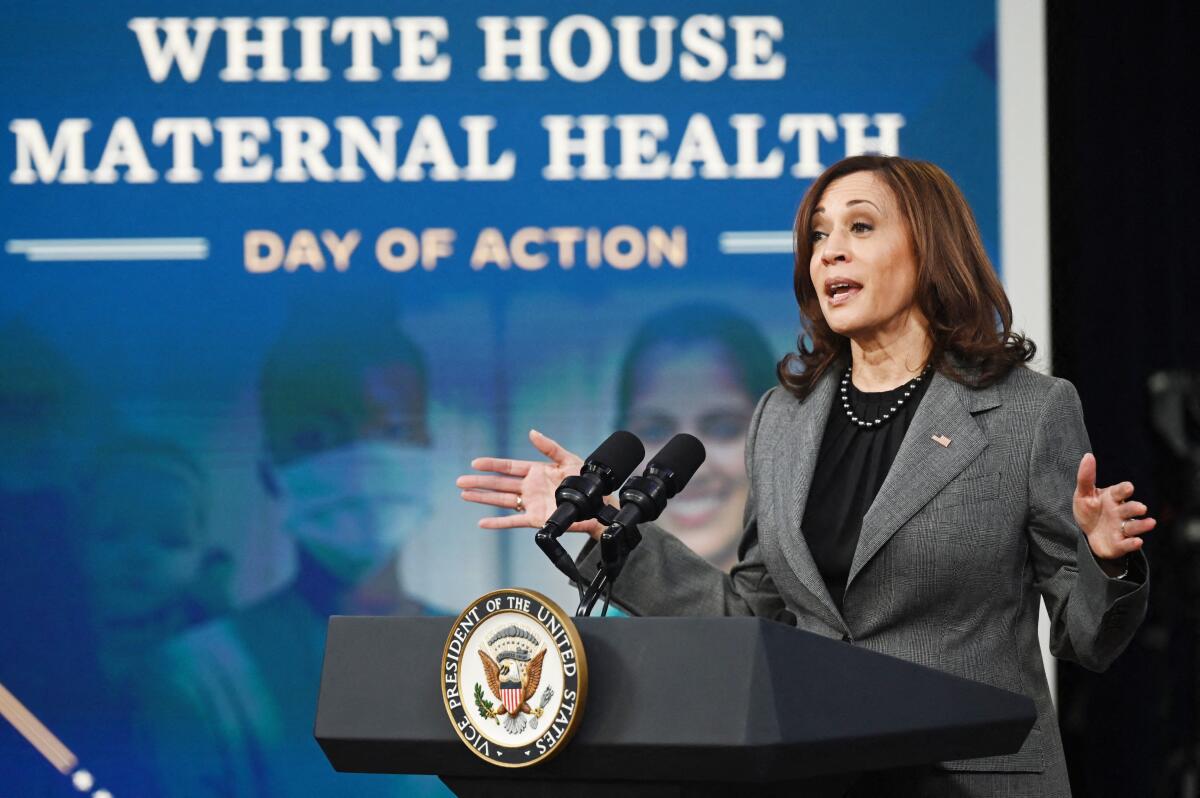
x=526, y=486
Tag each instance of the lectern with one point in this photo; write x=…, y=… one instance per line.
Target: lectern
x=676, y=707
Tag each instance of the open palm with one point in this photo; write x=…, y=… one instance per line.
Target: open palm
x=1110, y=520
x=532, y=482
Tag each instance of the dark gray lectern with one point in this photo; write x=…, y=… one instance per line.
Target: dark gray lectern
x=676, y=706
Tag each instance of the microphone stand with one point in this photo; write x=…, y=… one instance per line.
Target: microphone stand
x=643, y=499
x=547, y=541
x=616, y=544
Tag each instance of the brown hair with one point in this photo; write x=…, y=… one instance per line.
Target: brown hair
x=970, y=319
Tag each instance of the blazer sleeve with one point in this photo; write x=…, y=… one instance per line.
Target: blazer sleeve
x=1092, y=616
x=664, y=577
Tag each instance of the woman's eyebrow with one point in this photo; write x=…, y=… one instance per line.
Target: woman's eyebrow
x=821, y=208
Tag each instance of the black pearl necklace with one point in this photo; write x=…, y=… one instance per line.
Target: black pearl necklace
x=891, y=411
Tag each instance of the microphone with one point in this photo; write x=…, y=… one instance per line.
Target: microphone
x=644, y=498
x=581, y=498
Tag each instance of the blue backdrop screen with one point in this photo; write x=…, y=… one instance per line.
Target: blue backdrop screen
x=270, y=282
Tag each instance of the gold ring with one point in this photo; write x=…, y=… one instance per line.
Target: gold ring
x=1122, y=526
x=521, y=504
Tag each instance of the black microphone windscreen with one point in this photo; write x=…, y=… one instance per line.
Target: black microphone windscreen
x=682, y=455
x=621, y=452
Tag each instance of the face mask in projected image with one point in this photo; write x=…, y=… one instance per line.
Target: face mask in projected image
x=352, y=508
x=699, y=369
x=347, y=440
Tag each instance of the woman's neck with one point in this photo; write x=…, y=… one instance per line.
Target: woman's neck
x=887, y=361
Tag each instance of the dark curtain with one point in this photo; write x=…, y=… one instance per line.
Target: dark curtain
x=1125, y=253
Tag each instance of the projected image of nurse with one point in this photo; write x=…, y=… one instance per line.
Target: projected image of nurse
x=347, y=443
x=698, y=369
x=347, y=460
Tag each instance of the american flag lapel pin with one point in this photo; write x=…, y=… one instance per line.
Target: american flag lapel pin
x=940, y=439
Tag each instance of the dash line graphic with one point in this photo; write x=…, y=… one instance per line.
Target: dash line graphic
x=755, y=242
x=102, y=249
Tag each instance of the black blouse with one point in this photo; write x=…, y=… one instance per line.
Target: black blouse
x=851, y=467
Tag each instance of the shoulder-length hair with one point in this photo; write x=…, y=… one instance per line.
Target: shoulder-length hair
x=970, y=318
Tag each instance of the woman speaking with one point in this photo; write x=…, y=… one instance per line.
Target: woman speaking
x=914, y=487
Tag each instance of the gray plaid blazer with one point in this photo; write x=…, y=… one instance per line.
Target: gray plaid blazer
x=954, y=553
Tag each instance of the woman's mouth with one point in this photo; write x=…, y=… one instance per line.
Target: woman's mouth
x=841, y=290
x=701, y=502
x=694, y=511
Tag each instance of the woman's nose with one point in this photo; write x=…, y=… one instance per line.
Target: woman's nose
x=834, y=249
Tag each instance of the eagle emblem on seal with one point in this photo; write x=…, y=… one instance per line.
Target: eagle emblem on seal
x=512, y=666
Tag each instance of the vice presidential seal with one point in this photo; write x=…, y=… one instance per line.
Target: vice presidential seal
x=514, y=677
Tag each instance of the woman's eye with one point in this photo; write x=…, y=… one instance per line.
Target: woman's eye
x=724, y=427
x=656, y=428
x=861, y=227
x=815, y=236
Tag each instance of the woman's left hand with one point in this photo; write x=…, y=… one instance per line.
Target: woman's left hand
x=1110, y=521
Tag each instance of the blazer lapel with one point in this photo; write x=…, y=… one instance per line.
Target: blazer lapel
x=802, y=443
x=922, y=466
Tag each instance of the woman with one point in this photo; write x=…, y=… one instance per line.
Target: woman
x=698, y=368
x=951, y=486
